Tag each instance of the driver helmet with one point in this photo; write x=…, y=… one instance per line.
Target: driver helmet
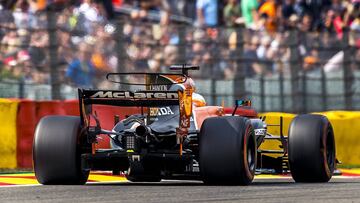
x=197, y=99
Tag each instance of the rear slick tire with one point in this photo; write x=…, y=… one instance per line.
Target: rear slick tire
x=311, y=148
x=227, y=151
x=57, y=151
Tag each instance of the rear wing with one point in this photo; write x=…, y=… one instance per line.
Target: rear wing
x=148, y=98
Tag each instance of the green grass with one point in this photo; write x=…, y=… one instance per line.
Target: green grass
x=23, y=170
x=346, y=166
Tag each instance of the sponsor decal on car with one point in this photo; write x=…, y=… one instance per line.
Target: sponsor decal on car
x=260, y=132
x=159, y=87
x=135, y=95
x=162, y=111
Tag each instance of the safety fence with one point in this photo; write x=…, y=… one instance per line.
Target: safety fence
x=20, y=117
x=312, y=92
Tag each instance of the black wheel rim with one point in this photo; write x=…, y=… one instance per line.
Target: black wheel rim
x=251, y=150
x=330, y=149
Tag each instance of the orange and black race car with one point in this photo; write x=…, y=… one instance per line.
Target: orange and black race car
x=175, y=135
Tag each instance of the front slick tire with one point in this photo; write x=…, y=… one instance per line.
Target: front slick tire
x=311, y=148
x=227, y=151
x=56, y=151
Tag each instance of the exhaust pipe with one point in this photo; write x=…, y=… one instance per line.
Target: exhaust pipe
x=142, y=130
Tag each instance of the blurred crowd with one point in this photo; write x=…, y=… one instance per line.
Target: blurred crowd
x=225, y=37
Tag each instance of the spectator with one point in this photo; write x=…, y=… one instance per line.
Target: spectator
x=7, y=72
x=306, y=23
x=171, y=7
x=314, y=9
x=311, y=62
x=207, y=12
x=269, y=9
x=21, y=14
x=356, y=59
x=287, y=10
x=28, y=72
x=328, y=21
x=170, y=57
x=10, y=42
x=140, y=10
x=339, y=21
x=337, y=6
x=93, y=12
x=98, y=59
x=355, y=31
x=249, y=12
x=155, y=63
x=232, y=13
x=263, y=54
x=264, y=47
x=251, y=65
x=279, y=53
x=37, y=49
x=81, y=71
x=261, y=23
x=355, y=25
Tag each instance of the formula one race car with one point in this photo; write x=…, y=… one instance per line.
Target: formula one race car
x=176, y=136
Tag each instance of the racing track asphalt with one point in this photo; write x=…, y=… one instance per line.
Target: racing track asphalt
x=262, y=190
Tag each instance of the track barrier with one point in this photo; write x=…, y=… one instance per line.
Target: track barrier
x=346, y=125
x=25, y=125
x=8, y=110
x=19, y=118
